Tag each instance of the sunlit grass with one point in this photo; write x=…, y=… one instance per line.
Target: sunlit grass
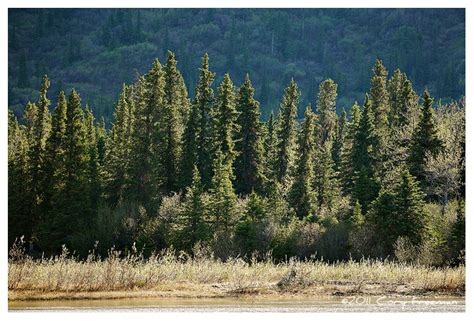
x=118, y=272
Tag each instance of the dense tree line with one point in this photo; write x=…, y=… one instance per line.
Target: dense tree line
x=181, y=172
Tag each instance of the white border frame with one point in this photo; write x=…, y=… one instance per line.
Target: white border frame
x=228, y=4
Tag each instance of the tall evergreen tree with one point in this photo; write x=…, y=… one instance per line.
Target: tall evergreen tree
x=302, y=196
x=326, y=111
x=40, y=132
x=55, y=166
x=365, y=144
x=170, y=124
x=425, y=139
x=118, y=146
x=70, y=200
x=394, y=89
x=224, y=122
x=93, y=188
x=336, y=151
x=223, y=200
x=325, y=181
x=20, y=222
x=379, y=97
x=403, y=101
x=144, y=169
x=101, y=134
x=286, y=132
x=249, y=143
x=399, y=212
x=270, y=145
x=347, y=165
x=204, y=100
x=407, y=106
x=193, y=221
x=190, y=147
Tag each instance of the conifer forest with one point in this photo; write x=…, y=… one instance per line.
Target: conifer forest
x=211, y=162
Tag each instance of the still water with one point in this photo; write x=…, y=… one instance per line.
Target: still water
x=317, y=304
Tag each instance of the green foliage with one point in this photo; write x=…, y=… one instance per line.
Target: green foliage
x=118, y=148
x=19, y=182
x=249, y=143
x=324, y=186
x=145, y=177
x=326, y=111
x=250, y=231
x=425, y=140
x=224, y=126
x=325, y=181
x=190, y=147
x=204, y=100
x=380, y=98
x=302, y=195
x=363, y=158
x=286, y=132
x=170, y=125
x=108, y=45
x=399, y=212
x=223, y=199
x=270, y=147
x=193, y=225
x=338, y=144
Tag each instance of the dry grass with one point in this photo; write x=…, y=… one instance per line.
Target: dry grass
x=170, y=275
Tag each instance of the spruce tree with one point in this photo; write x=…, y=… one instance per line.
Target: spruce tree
x=249, y=144
x=118, y=145
x=193, y=221
x=55, y=166
x=40, y=132
x=337, y=146
x=326, y=112
x=407, y=106
x=190, y=147
x=223, y=200
x=302, y=196
x=92, y=171
x=325, y=182
x=286, y=132
x=204, y=101
x=425, y=139
x=70, y=200
x=363, y=158
x=347, y=165
x=29, y=117
x=145, y=172
x=357, y=219
x=394, y=89
x=409, y=203
x=224, y=122
x=270, y=145
x=403, y=101
x=20, y=222
x=380, y=99
x=170, y=124
x=249, y=228
x=101, y=134
x=399, y=212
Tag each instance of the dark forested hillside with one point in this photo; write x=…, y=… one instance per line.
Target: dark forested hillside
x=94, y=51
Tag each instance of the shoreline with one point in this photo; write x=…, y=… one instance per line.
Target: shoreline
x=212, y=291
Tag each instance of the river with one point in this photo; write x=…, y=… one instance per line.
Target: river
x=318, y=304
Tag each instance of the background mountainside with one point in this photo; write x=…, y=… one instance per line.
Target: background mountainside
x=96, y=50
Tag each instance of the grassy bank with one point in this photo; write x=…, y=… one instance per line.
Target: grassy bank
x=168, y=275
